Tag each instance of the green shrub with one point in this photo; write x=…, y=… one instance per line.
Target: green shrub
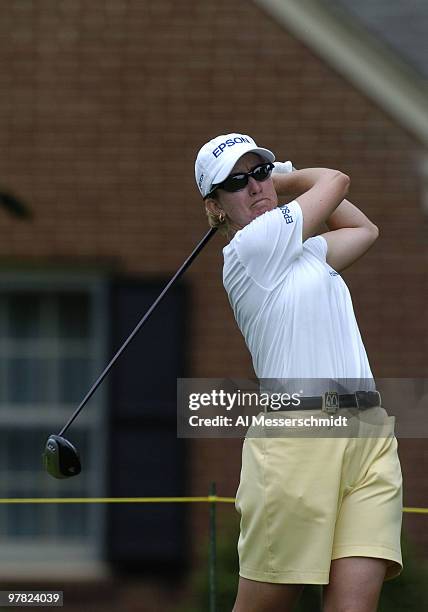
x=407, y=593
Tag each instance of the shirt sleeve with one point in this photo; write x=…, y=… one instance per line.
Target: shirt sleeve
x=317, y=246
x=269, y=244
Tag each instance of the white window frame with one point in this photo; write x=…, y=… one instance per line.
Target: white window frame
x=80, y=557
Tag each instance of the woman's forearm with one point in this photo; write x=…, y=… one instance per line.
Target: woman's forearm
x=300, y=181
x=348, y=215
x=290, y=186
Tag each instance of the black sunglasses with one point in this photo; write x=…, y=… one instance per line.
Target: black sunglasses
x=236, y=182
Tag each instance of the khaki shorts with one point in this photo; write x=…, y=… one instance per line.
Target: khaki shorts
x=306, y=501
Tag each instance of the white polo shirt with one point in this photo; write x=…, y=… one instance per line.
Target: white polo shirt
x=294, y=310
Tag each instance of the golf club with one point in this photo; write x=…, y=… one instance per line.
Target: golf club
x=60, y=458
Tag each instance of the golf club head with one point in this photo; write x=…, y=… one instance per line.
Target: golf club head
x=60, y=458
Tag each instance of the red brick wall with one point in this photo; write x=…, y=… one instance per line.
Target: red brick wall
x=103, y=106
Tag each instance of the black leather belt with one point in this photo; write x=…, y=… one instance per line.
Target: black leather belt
x=332, y=401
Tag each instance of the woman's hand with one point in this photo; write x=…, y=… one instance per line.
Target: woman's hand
x=280, y=180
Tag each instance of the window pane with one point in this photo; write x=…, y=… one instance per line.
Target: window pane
x=3, y=310
x=52, y=521
x=29, y=380
x=73, y=315
x=24, y=316
x=24, y=450
x=74, y=378
x=24, y=520
x=73, y=519
x=3, y=371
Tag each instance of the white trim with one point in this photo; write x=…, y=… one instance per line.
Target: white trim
x=14, y=550
x=357, y=55
x=66, y=571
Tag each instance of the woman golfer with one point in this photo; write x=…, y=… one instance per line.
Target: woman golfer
x=314, y=510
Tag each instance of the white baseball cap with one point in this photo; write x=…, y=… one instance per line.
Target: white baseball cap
x=217, y=157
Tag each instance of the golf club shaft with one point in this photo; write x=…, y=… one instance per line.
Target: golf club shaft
x=176, y=276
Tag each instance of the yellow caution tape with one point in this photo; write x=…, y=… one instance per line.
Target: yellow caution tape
x=418, y=510
x=139, y=500
x=115, y=500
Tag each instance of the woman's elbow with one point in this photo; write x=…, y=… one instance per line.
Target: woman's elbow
x=345, y=180
x=373, y=232
x=342, y=181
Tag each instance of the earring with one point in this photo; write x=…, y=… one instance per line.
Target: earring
x=221, y=217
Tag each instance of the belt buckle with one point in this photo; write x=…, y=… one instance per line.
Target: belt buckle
x=378, y=398
x=360, y=394
x=330, y=402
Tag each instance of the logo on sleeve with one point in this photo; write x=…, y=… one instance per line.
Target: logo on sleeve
x=286, y=212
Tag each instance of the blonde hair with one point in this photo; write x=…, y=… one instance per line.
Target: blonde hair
x=215, y=221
